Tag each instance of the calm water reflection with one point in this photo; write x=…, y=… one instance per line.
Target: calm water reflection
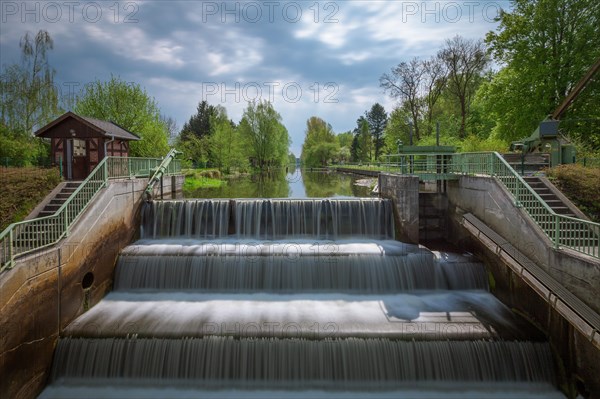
x=295, y=183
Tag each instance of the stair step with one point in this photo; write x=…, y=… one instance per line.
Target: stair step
x=44, y=213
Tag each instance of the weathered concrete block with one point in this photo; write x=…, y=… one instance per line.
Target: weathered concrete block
x=404, y=193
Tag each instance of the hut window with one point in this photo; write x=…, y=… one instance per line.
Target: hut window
x=78, y=147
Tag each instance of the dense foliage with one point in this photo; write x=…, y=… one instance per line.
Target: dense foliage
x=545, y=47
x=266, y=139
x=320, y=145
x=129, y=106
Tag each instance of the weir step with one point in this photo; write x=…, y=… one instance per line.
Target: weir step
x=363, y=308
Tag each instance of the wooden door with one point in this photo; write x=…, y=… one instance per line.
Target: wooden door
x=79, y=164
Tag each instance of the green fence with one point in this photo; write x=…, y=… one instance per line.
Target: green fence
x=31, y=235
x=564, y=231
x=589, y=162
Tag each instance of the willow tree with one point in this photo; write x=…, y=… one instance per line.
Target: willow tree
x=28, y=97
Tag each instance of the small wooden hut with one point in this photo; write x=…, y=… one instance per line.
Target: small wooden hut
x=79, y=143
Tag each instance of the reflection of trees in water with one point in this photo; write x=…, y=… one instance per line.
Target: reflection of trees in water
x=271, y=184
x=276, y=184
x=323, y=184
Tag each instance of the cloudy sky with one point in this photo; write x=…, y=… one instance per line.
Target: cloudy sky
x=320, y=58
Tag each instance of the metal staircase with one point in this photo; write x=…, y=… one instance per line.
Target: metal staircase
x=59, y=199
x=545, y=193
x=527, y=164
x=24, y=237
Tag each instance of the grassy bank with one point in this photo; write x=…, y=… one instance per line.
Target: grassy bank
x=580, y=185
x=22, y=189
x=202, y=178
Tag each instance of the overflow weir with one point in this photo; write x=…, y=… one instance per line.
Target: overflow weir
x=296, y=299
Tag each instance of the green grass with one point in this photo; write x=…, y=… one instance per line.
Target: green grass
x=22, y=190
x=192, y=183
x=202, y=178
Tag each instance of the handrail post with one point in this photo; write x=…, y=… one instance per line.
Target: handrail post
x=66, y=221
x=105, y=171
x=10, y=248
x=556, y=231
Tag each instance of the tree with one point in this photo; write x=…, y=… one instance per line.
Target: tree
x=225, y=144
x=129, y=106
x=28, y=97
x=405, y=83
x=397, y=129
x=171, y=126
x=465, y=60
x=377, y=119
x=345, y=139
x=362, y=142
x=199, y=124
x=266, y=138
x=545, y=47
x=320, y=143
x=345, y=143
x=434, y=82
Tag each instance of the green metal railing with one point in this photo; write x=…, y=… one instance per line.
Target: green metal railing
x=31, y=235
x=564, y=231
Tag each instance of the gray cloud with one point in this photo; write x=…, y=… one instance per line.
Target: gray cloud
x=178, y=49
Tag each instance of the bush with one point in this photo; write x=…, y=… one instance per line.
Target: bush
x=23, y=151
x=580, y=185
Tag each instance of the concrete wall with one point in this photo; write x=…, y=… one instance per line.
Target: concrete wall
x=433, y=209
x=577, y=359
x=45, y=291
x=370, y=173
x=493, y=205
x=404, y=192
x=169, y=187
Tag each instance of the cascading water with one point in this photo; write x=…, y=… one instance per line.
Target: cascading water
x=294, y=298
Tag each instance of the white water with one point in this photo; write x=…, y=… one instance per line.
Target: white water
x=269, y=218
x=438, y=315
x=292, y=266
x=295, y=299
x=224, y=362
x=90, y=388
